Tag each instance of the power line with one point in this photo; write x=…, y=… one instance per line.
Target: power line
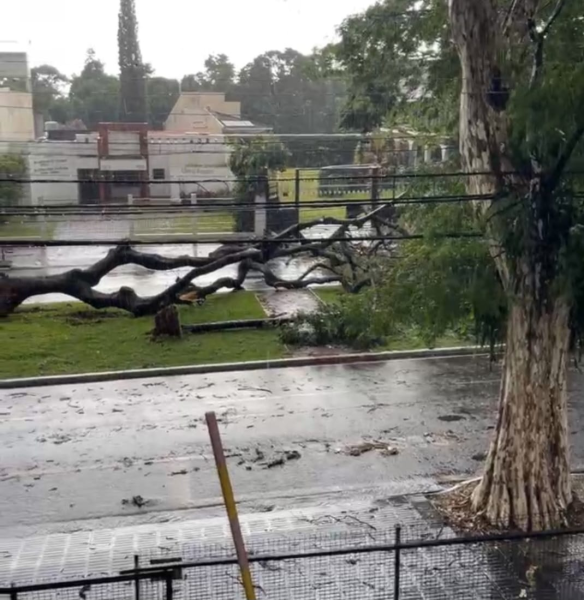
x=233, y=205
x=259, y=179
x=175, y=240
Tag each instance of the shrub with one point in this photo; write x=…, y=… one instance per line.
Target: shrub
x=349, y=322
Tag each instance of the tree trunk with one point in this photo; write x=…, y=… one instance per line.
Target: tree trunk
x=526, y=483
x=167, y=322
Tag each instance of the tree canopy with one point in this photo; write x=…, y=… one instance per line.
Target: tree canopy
x=11, y=166
x=93, y=95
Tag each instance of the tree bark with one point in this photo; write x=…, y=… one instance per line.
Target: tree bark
x=80, y=283
x=526, y=482
x=167, y=322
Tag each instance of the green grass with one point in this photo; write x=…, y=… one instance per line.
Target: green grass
x=309, y=192
x=414, y=342
x=22, y=228
x=73, y=338
x=329, y=294
x=208, y=222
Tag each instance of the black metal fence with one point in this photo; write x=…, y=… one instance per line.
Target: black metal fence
x=402, y=564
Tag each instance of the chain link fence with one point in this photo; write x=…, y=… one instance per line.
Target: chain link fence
x=413, y=563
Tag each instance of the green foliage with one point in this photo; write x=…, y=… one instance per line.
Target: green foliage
x=94, y=94
x=352, y=321
x=47, y=90
x=292, y=93
x=133, y=105
x=162, y=96
x=11, y=166
x=393, y=55
x=218, y=76
x=251, y=161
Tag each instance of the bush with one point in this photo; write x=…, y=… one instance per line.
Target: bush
x=349, y=322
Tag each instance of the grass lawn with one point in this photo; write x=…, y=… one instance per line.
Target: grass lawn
x=23, y=228
x=329, y=294
x=208, y=222
x=73, y=338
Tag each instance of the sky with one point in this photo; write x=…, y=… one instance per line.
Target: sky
x=175, y=35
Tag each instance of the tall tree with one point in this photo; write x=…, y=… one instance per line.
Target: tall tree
x=162, y=96
x=520, y=81
x=48, y=91
x=218, y=76
x=397, y=57
x=521, y=126
x=133, y=103
x=93, y=95
x=292, y=93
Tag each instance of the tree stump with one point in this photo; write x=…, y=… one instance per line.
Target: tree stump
x=167, y=322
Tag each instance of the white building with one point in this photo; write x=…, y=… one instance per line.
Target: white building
x=123, y=159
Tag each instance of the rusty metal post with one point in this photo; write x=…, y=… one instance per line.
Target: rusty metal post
x=230, y=505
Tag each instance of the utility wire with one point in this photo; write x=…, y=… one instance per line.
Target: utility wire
x=175, y=240
x=259, y=179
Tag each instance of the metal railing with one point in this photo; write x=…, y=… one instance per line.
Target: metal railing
x=513, y=565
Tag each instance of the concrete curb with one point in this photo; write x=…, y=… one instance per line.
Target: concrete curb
x=283, y=363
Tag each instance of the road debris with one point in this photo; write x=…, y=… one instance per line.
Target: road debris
x=181, y=472
x=276, y=462
x=137, y=501
x=385, y=448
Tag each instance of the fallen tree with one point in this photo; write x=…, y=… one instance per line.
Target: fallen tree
x=336, y=256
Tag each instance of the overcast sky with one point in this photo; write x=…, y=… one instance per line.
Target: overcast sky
x=176, y=35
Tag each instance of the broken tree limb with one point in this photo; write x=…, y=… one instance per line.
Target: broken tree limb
x=240, y=324
x=80, y=283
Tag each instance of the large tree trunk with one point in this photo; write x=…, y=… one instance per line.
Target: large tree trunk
x=526, y=483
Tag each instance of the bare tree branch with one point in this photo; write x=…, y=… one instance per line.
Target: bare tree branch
x=538, y=38
x=336, y=252
x=301, y=282
x=564, y=159
x=315, y=267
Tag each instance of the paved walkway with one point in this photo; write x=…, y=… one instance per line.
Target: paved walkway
x=288, y=303
x=536, y=569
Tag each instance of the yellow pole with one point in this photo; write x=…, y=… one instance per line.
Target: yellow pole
x=230, y=505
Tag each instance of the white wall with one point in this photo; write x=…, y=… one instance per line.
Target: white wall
x=16, y=116
x=59, y=160
x=204, y=159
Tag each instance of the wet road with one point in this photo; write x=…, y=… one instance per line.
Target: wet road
x=75, y=453
x=37, y=262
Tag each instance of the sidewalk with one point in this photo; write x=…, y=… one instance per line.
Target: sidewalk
x=288, y=303
x=107, y=551
x=532, y=569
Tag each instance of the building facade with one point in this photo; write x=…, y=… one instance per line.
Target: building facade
x=123, y=160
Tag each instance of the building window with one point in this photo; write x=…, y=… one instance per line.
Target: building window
x=158, y=174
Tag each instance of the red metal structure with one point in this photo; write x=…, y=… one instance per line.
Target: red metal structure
x=123, y=160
